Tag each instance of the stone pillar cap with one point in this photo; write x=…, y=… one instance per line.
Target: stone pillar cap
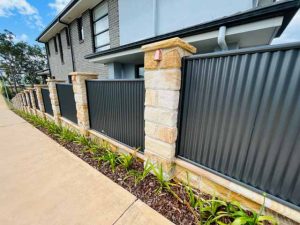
x=83, y=74
x=56, y=81
x=169, y=43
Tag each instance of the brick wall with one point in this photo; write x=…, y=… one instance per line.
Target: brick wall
x=81, y=49
x=58, y=69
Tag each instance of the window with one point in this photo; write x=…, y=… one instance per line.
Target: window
x=55, y=45
x=47, y=48
x=70, y=79
x=60, y=48
x=80, y=29
x=67, y=36
x=139, y=70
x=101, y=27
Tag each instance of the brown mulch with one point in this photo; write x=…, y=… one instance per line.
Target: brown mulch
x=163, y=202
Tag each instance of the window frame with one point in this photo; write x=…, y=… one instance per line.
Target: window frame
x=47, y=48
x=137, y=75
x=101, y=32
x=68, y=37
x=80, y=29
x=55, y=45
x=61, y=52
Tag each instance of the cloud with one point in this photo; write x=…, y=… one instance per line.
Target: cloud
x=9, y=7
x=22, y=37
x=291, y=33
x=58, y=5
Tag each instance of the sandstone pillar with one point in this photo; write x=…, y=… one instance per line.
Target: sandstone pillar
x=162, y=64
x=80, y=94
x=38, y=89
x=54, y=98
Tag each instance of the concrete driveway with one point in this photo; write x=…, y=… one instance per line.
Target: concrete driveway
x=43, y=183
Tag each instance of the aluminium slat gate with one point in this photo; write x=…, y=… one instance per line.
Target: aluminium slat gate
x=240, y=117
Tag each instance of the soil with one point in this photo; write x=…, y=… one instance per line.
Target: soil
x=164, y=202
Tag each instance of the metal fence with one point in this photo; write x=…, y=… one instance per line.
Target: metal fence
x=67, y=101
x=36, y=100
x=47, y=101
x=240, y=117
x=29, y=99
x=116, y=109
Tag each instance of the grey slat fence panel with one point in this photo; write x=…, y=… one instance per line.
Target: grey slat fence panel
x=116, y=109
x=47, y=101
x=240, y=117
x=36, y=100
x=29, y=99
x=67, y=103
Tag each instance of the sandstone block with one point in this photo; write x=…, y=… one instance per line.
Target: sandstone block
x=168, y=79
x=160, y=148
x=161, y=116
x=162, y=98
x=163, y=133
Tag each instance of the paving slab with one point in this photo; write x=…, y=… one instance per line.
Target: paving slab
x=140, y=213
x=42, y=183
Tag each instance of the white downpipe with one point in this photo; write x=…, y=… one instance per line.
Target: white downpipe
x=221, y=38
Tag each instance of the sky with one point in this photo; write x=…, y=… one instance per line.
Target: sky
x=27, y=18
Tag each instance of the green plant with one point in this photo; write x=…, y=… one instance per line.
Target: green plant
x=110, y=157
x=67, y=135
x=139, y=176
x=160, y=176
x=193, y=199
x=126, y=160
x=242, y=217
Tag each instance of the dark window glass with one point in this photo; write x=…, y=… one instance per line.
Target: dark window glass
x=60, y=48
x=80, y=29
x=101, y=27
x=55, y=45
x=47, y=48
x=139, y=70
x=67, y=37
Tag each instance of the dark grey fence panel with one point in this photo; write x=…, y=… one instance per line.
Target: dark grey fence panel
x=240, y=117
x=29, y=99
x=116, y=109
x=36, y=100
x=67, y=101
x=47, y=101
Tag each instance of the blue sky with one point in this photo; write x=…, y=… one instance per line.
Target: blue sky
x=27, y=18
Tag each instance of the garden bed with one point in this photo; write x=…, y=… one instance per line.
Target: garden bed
x=176, y=201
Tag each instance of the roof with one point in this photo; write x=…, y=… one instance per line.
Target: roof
x=287, y=9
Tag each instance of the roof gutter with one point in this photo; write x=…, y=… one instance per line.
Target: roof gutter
x=57, y=18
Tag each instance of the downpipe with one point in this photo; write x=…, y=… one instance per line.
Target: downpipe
x=221, y=38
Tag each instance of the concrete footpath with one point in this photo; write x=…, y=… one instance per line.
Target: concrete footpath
x=43, y=183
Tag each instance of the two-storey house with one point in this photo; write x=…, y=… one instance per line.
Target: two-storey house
x=105, y=36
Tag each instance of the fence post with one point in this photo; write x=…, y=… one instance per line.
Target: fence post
x=80, y=95
x=38, y=89
x=23, y=101
x=162, y=62
x=54, y=98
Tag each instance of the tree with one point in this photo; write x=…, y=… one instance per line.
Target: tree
x=19, y=59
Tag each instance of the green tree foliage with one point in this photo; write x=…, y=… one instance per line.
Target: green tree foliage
x=19, y=59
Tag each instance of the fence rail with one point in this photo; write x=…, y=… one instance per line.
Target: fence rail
x=241, y=117
x=47, y=101
x=67, y=101
x=116, y=109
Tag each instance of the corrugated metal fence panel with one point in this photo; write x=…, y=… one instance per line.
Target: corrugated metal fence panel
x=47, y=101
x=116, y=109
x=36, y=100
x=67, y=103
x=29, y=99
x=241, y=117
